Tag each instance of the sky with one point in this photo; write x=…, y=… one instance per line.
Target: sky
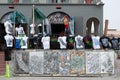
x=112, y=13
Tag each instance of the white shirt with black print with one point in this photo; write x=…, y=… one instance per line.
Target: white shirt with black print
x=96, y=42
x=25, y=42
x=79, y=42
x=62, y=41
x=46, y=42
x=9, y=40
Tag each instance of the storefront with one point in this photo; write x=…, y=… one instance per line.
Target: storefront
x=64, y=20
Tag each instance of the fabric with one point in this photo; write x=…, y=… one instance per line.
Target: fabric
x=7, y=54
x=9, y=40
x=114, y=43
x=40, y=46
x=79, y=42
x=17, y=43
x=96, y=42
x=8, y=27
x=88, y=42
x=105, y=42
x=25, y=43
x=46, y=42
x=32, y=29
x=20, y=30
x=63, y=42
x=54, y=44
x=31, y=43
x=70, y=42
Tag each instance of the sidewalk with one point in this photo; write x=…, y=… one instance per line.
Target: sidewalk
x=62, y=78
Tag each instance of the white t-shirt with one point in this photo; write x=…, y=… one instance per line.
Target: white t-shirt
x=20, y=30
x=8, y=27
x=9, y=40
x=32, y=30
x=25, y=43
x=46, y=42
x=96, y=42
x=62, y=41
x=79, y=42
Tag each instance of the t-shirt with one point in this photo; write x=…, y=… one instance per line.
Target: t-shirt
x=8, y=27
x=17, y=43
x=70, y=42
x=25, y=43
x=54, y=44
x=96, y=42
x=9, y=40
x=46, y=42
x=105, y=42
x=62, y=41
x=88, y=42
x=79, y=42
x=114, y=43
x=20, y=30
x=32, y=30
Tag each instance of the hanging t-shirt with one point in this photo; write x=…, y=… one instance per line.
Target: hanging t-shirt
x=9, y=40
x=19, y=30
x=46, y=42
x=105, y=42
x=39, y=42
x=31, y=43
x=17, y=42
x=54, y=44
x=62, y=41
x=32, y=30
x=25, y=43
x=96, y=42
x=70, y=42
x=88, y=42
x=79, y=42
x=114, y=43
x=8, y=27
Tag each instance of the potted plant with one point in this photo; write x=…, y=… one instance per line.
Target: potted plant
x=88, y=1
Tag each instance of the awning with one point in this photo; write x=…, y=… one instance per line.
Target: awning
x=16, y=17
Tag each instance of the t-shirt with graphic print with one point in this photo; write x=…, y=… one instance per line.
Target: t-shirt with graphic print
x=96, y=42
x=88, y=42
x=62, y=41
x=25, y=43
x=46, y=42
x=70, y=42
x=17, y=42
x=9, y=40
x=79, y=42
x=114, y=43
x=105, y=42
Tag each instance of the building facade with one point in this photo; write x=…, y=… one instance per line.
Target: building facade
x=87, y=17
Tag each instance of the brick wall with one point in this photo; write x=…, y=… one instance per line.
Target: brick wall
x=2, y=63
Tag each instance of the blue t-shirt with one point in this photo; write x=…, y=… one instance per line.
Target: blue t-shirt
x=17, y=44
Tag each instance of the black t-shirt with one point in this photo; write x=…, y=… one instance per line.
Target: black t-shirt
x=54, y=44
x=105, y=42
x=70, y=42
x=114, y=43
x=88, y=42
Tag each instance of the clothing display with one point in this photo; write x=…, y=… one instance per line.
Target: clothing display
x=62, y=41
x=19, y=30
x=88, y=42
x=46, y=42
x=9, y=40
x=31, y=43
x=96, y=42
x=8, y=27
x=25, y=42
x=32, y=30
x=70, y=42
x=54, y=44
x=79, y=42
x=17, y=43
x=105, y=42
x=114, y=43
